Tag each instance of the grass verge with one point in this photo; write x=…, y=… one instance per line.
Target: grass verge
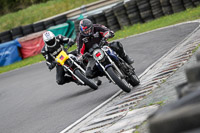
x=188, y=15
x=38, y=12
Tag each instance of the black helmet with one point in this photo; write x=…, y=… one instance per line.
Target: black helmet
x=86, y=27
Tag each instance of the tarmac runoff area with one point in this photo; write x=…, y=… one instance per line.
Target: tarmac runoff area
x=126, y=113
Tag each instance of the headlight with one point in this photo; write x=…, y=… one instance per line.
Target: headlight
x=98, y=54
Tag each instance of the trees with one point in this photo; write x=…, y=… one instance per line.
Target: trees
x=7, y=6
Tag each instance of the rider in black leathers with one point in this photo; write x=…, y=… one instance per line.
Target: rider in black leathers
x=53, y=46
x=93, y=33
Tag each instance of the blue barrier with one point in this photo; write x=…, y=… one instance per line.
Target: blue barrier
x=9, y=52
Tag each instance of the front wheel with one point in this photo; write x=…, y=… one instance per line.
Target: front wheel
x=117, y=80
x=85, y=80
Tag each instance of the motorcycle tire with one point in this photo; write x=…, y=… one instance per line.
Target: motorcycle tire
x=133, y=80
x=85, y=80
x=117, y=80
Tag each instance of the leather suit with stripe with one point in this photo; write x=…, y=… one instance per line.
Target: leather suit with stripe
x=49, y=52
x=85, y=43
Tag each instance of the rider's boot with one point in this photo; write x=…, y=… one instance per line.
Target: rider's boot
x=127, y=59
x=118, y=47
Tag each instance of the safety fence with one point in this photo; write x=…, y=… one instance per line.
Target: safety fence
x=21, y=31
x=31, y=44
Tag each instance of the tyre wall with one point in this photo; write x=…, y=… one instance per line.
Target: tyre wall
x=139, y=11
x=125, y=13
x=24, y=30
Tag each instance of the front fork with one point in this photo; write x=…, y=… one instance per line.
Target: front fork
x=78, y=66
x=113, y=64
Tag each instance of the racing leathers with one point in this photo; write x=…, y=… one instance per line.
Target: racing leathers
x=50, y=52
x=84, y=43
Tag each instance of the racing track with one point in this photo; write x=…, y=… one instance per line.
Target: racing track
x=32, y=102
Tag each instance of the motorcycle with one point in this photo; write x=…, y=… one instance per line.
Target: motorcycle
x=109, y=64
x=73, y=68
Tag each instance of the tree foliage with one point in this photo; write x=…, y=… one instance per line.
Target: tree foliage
x=7, y=6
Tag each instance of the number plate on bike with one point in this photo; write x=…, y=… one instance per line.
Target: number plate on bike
x=62, y=57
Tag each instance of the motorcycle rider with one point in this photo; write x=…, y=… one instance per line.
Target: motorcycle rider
x=93, y=33
x=53, y=46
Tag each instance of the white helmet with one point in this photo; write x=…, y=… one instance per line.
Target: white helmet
x=49, y=38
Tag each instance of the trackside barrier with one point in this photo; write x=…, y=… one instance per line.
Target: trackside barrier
x=9, y=52
x=65, y=29
x=51, y=21
x=129, y=12
x=31, y=44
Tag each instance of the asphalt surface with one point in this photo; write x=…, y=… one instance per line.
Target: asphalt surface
x=32, y=102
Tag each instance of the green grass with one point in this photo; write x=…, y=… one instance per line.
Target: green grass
x=188, y=15
x=161, y=103
x=194, y=50
x=38, y=12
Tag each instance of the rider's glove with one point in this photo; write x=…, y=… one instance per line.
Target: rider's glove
x=52, y=65
x=108, y=34
x=70, y=42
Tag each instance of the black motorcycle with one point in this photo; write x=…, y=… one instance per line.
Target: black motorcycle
x=109, y=64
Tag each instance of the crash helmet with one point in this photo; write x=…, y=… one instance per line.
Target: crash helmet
x=86, y=27
x=49, y=39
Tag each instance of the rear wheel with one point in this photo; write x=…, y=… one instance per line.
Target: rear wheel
x=128, y=70
x=133, y=80
x=86, y=80
x=118, y=80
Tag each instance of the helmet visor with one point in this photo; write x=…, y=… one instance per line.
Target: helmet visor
x=88, y=31
x=51, y=42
